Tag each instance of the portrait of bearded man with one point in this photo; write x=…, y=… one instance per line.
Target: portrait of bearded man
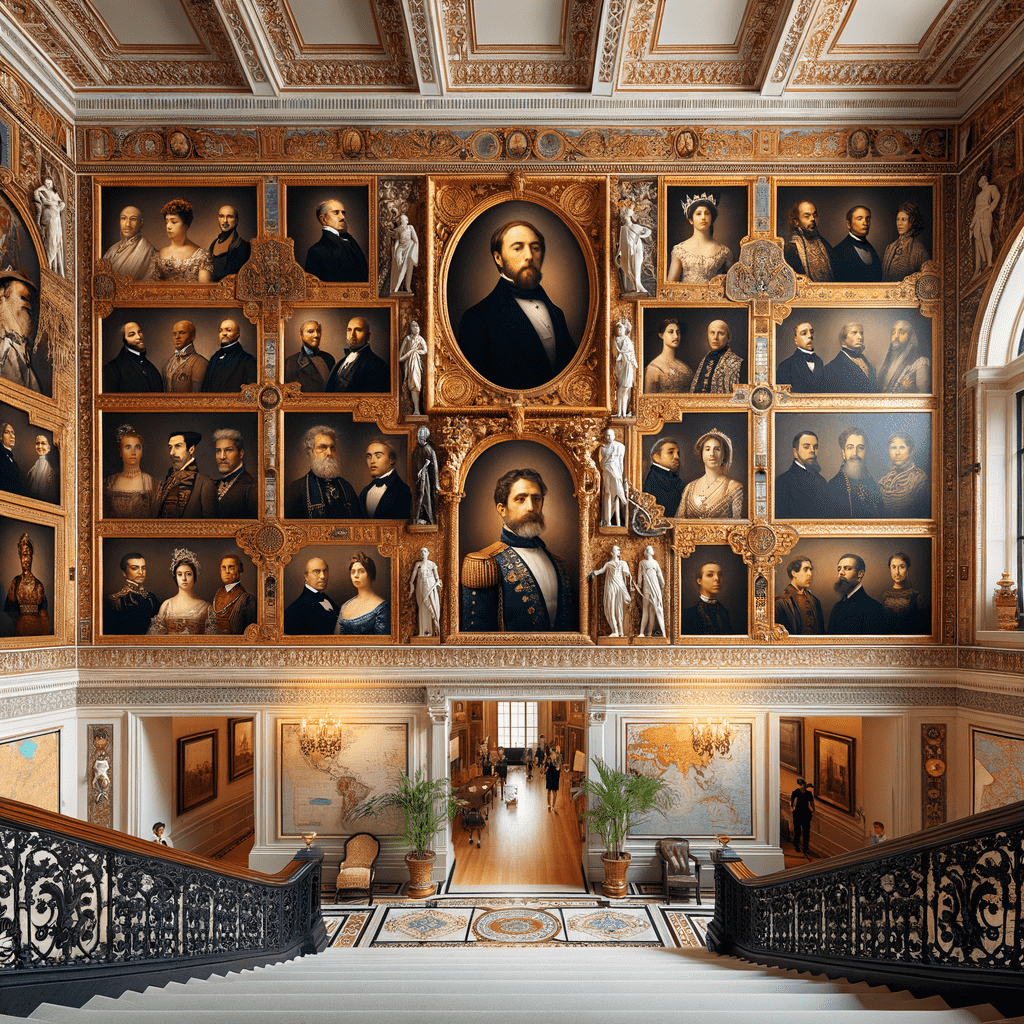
x=16, y=341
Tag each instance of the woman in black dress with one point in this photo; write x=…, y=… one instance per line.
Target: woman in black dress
x=553, y=775
x=501, y=770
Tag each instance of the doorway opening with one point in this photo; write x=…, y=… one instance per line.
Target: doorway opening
x=524, y=843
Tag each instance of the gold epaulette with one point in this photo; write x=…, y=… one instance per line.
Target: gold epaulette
x=479, y=569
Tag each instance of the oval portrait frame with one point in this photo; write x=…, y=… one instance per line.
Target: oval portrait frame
x=566, y=248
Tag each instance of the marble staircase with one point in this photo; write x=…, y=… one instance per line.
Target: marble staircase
x=512, y=984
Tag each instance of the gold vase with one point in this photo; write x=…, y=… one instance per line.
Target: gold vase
x=1006, y=602
x=615, y=885
x=420, y=870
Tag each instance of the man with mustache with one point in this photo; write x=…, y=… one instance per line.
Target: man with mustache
x=796, y=607
x=801, y=491
x=130, y=611
x=806, y=251
x=237, y=492
x=662, y=478
x=906, y=370
x=517, y=337
x=853, y=494
x=851, y=372
x=854, y=614
x=804, y=370
x=517, y=585
x=323, y=493
x=15, y=328
x=130, y=370
x=185, y=493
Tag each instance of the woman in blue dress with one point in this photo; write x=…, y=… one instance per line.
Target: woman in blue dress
x=366, y=614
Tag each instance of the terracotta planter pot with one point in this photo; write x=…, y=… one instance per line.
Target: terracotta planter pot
x=420, y=871
x=615, y=886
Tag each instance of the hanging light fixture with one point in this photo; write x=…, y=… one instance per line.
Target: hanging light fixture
x=711, y=737
x=320, y=739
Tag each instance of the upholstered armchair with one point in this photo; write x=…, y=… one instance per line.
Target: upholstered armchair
x=679, y=868
x=357, y=868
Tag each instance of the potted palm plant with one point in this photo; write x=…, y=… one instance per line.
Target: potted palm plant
x=421, y=807
x=619, y=800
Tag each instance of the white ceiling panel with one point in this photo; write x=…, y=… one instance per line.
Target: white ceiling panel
x=883, y=23
x=155, y=24
x=335, y=23
x=693, y=24
x=511, y=23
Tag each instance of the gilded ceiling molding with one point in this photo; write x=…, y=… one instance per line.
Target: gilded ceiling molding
x=468, y=70
x=299, y=70
x=244, y=44
x=421, y=39
x=642, y=69
x=38, y=26
x=129, y=693
x=797, y=23
x=987, y=35
x=614, y=16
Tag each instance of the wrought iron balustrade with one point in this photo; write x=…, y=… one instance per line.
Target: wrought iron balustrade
x=936, y=911
x=85, y=904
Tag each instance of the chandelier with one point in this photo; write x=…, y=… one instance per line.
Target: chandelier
x=712, y=737
x=320, y=739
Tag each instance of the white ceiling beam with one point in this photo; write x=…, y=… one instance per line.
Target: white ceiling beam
x=251, y=44
x=424, y=36
x=788, y=45
x=608, y=51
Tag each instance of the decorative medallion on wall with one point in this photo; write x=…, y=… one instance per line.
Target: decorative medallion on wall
x=933, y=777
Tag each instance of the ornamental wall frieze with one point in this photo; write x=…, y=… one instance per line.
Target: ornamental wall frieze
x=992, y=703
x=24, y=704
x=315, y=693
x=796, y=693
x=45, y=659
x=655, y=147
x=480, y=659
x=986, y=659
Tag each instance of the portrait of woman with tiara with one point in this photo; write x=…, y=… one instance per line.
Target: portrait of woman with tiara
x=699, y=258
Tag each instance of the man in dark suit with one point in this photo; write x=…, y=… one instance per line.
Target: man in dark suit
x=236, y=489
x=361, y=369
x=230, y=366
x=228, y=250
x=130, y=611
x=10, y=475
x=662, y=478
x=796, y=607
x=517, y=337
x=801, y=492
x=854, y=614
x=323, y=493
x=804, y=370
x=312, y=613
x=516, y=585
x=311, y=366
x=854, y=258
x=386, y=496
x=708, y=617
x=851, y=372
x=853, y=493
x=130, y=370
x=337, y=256
x=185, y=492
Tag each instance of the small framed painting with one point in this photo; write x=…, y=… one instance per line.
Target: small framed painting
x=833, y=770
x=240, y=755
x=197, y=770
x=791, y=744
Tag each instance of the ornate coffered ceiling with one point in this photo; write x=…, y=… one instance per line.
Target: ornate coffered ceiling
x=304, y=61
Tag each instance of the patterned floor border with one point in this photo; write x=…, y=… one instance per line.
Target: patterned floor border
x=515, y=920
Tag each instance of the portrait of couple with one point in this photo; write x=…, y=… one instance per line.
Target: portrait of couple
x=518, y=289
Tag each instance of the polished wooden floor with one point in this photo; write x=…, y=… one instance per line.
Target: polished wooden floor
x=522, y=845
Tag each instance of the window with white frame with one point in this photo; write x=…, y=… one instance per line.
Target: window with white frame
x=517, y=723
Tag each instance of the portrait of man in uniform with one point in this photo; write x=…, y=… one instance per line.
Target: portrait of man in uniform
x=129, y=611
x=516, y=584
x=806, y=251
x=185, y=492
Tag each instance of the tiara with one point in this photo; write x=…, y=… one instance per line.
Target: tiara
x=714, y=432
x=690, y=201
x=184, y=555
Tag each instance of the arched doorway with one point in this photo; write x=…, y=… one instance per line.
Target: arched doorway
x=524, y=844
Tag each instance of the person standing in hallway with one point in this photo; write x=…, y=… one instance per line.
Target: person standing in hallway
x=501, y=770
x=553, y=776
x=801, y=802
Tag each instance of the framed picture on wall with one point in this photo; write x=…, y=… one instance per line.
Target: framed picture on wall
x=791, y=744
x=197, y=770
x=240, y=754
x=833, y=770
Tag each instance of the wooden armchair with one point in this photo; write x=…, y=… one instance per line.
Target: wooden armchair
x=679, y=868
x=358, y=865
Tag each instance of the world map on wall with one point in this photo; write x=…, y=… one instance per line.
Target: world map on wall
x=707, y=794
x=30, y=770
x=317, y=793
x=998, y=770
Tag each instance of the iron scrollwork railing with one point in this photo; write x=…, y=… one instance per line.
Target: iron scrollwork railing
x=74, y=895
x=940, y=908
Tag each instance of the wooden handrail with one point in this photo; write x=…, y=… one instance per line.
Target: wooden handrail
x=25, y=815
